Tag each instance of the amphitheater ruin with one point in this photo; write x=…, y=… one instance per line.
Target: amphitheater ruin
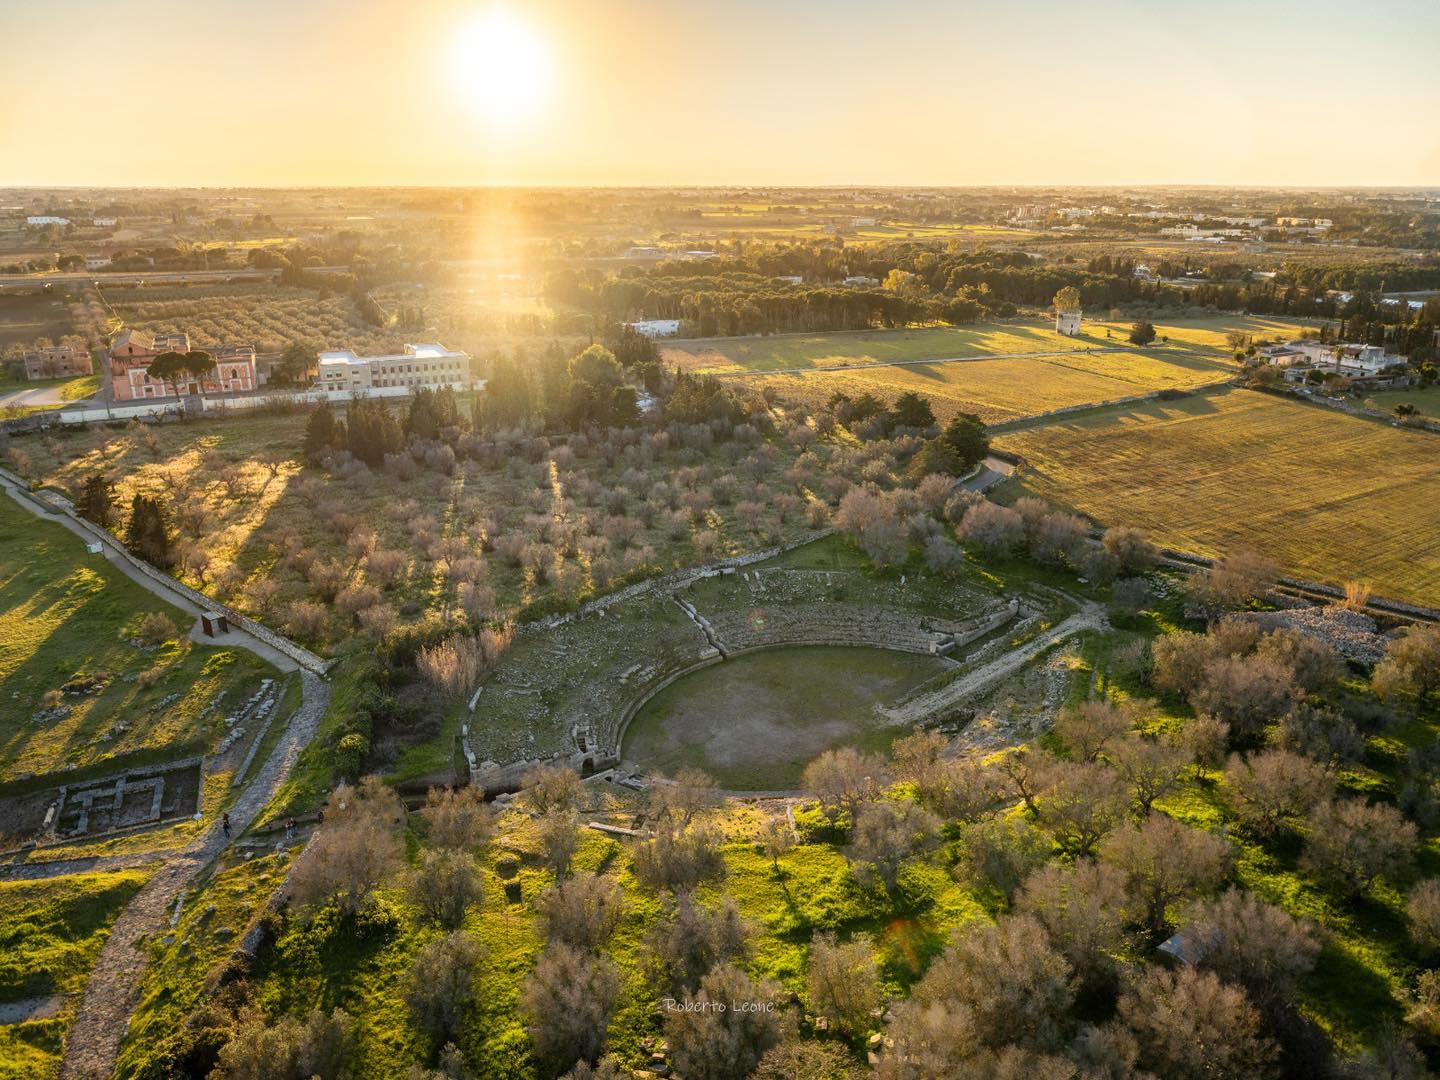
x=569, y=691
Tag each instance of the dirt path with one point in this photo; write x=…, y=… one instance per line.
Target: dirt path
x=1089, y=617
x=102, y=1019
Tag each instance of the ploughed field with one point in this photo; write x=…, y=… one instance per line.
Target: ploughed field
x=1333, y=497
x=755, y=721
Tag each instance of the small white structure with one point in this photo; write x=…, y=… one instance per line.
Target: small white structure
x=429, y=366
x=96, y=262
x=656, y=328
x=1067, y=323
x=46, y=219
x=106, y=222
x=861, y=279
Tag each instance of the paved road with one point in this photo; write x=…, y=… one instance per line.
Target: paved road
x=35, y=395
x=72, y=277
x=993, y=470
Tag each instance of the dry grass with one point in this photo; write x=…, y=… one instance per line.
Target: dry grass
x=1332, y=497
x=1007, y=388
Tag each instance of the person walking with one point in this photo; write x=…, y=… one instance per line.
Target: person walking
x=290, y=828
x=225, y=825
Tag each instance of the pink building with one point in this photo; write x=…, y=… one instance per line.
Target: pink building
x=133, y=351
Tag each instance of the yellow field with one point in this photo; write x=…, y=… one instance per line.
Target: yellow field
x=1203, y=337
x=1334, y=498
x=1006, y=388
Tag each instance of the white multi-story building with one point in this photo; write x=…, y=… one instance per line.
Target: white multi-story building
x=427, y=365
x=656, y=328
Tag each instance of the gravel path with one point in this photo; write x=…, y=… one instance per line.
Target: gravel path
x=1090, y=617
x=110, y=995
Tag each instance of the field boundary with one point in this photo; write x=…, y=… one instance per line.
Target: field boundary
x=57, y=504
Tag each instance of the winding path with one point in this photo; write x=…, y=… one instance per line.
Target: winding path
x=1090, y=617
x=110, y=996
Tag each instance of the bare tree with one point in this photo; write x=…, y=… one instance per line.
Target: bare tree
x=1272, y=790
x=710, y=1044
x=1130, y=547
x=1245, y=692
x=1352, y=842
x=1084, y=907
x=1189, y=1025
x=1324, y=735
x=1410, y=669
x=1259, y=946
x=1232, y=582
x=551, y=787
x=1082, y=801
x=1423, y=910
x=444, y=885
x=354, y=852
x=1001, y=852
x=844, y=982
x=558, y=830
x=568, y=1000
x=677, y=862
x=844, y=778
x=1085, y=729
x=1152, y=767
x=1314, y=664
x=677, y=803
x=685, y=944
x=582, y=911
x=458, y=818
x=1165, y=861
x=1007, y=978
x=807, y=1060
x=997, y=530
x=888, y=832
x=440, y=984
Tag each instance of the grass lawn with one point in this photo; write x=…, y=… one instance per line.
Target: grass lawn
x=1426, y=400
x=1008, y=388
x=50, y=934
x=756, y=721
x=1332, y=497
x=66, y=615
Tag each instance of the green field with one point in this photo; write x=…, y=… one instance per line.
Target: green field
x=1332, y=497
x=756, y=721
x=66, y=615
x=1008, y=388
x=1203, y=337
x=1426, y=400
x=50, y=934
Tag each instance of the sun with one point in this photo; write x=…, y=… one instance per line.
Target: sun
x=502, y=67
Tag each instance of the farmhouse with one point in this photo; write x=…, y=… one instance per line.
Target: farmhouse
x=134, y=350
x=56, y=362
x=46, y=219
x=427, y=365
x=654, y=328
x=96, y=262
x=1370, y=365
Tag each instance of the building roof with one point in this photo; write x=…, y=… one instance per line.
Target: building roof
x=422, y=351
x=133, y=336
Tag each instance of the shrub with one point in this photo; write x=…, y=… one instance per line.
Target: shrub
x=156, y=628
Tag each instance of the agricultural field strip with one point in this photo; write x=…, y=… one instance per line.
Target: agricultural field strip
x=827, y=369
x=1333, y=497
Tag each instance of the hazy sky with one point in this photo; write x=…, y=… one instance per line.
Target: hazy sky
x=220, y=92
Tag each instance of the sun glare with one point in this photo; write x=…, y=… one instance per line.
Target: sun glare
x=502, y=67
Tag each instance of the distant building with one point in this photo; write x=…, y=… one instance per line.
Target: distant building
x=106, y=222
x=46, y=219
x=429, y=366
x=862, y=280
x=133, y=351
x=1067, y=323
x=656, y=328
x=1369, y=365
x=863, y=223
x=644, y=252
x=57, y=362
x=793, y=279
x=96, y=262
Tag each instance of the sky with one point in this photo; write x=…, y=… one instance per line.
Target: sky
x=722, y=92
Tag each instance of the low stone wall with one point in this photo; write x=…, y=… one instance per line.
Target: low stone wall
x=1133, y=399
x=302, y=656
